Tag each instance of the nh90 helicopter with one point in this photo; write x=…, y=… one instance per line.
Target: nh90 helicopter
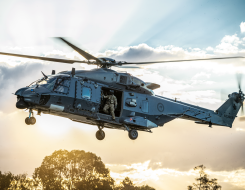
x=79, y=96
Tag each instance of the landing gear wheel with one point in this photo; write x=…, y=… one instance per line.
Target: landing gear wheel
x=133, y=134
x=27, y=121
x=32, y=120
x=100, y=135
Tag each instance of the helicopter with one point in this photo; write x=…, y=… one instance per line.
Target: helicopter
x=79, y=96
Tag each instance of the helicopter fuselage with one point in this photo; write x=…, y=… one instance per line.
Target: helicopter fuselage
x=79, y=97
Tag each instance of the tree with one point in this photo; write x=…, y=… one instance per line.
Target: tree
x=5, y=180
x=203, y=182
x=22, y=182
x=190, y=187
x=127, y=184
x=145, y=187
x=76, y=169
x=9, y=181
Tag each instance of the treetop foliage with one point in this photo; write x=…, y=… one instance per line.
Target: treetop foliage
x=203, y=181
x=68, y=170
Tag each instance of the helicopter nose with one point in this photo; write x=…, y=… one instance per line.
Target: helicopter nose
x=21, y=104
x=24, y=96
x=20, y=91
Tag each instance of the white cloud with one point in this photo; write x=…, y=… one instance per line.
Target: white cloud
x=60, y=54
x=229, y=45
x=201, y=75
x=242, y=27
x=231, y=39
x=243, y=41
x=140, y=172
x=143, y=52
x=209, y=48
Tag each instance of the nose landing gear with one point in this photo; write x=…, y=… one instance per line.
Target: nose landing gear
x=100, y=134
x=30, y=120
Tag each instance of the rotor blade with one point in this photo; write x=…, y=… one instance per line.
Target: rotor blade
x=127, y=67
x=80, y=51
x=183, y=60
x=242, y=110
x=44, y=58
x=239, y=80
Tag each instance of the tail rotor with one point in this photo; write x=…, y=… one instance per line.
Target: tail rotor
x=241, y=95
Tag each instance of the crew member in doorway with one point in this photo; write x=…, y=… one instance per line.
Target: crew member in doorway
x=111, y=103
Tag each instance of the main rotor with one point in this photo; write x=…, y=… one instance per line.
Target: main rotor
x=104, y=62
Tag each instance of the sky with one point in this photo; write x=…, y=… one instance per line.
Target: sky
x=136, y=30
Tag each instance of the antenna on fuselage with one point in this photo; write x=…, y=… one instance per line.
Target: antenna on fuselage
x=73, y=72
x=45, y=76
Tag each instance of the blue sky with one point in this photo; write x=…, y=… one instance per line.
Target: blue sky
x=138, y=31
x=157, y=23
x=183, y=23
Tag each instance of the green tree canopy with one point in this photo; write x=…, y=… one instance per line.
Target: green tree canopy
x=22, y=182
x=5, y=180
x=203, y=181
x=76, y=169
x=9, y=181
x=127, y=184
x=64, y=170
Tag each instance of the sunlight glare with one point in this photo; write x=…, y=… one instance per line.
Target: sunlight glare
x=53, y=125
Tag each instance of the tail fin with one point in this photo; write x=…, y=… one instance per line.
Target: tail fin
x=228, y=111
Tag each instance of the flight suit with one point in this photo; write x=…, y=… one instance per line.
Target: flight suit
x=111, y=103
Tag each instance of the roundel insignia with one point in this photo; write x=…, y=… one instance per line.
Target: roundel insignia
x=160, y=107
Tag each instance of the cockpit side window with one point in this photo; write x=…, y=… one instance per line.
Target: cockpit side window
x=62, y=85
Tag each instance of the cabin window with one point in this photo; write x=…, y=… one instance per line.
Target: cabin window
x=144, y=106
x=86, y=92
x=62, y=85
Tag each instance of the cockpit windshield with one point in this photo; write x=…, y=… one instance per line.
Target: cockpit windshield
x=47, y=83
x=59, y=84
